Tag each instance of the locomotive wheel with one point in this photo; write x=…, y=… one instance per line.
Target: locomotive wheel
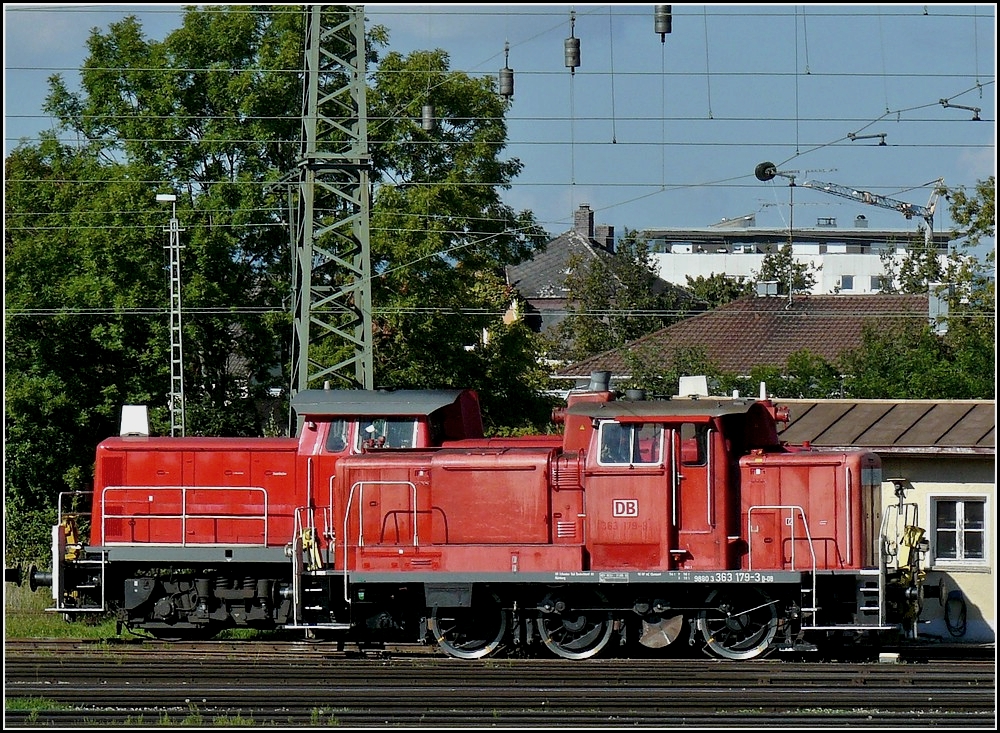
x=577, y=634
x=738, y=625
x=469, y=633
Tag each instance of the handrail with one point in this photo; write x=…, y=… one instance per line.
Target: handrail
x=792, y=509
x=184, y=516
x=360, y=487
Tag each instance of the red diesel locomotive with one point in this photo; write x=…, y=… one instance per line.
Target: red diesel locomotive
x=391, y=519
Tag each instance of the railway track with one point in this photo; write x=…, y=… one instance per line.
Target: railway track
x=63, y=684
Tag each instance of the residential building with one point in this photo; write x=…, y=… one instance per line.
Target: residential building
x=541, y=281
x=762, y=331
x=843, y=259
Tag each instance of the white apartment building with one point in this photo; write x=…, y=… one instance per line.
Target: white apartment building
x=846, y=260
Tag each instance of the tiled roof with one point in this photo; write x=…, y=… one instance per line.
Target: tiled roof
x=765, y=331
x=894, y=426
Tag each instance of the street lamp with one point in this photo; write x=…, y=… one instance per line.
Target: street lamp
x=176, y=347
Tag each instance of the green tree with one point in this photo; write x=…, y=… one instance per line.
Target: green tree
x=782, y=267
x=803, y=376
x=615, y=299
x=905, y=360
x=954, y=358
x=212, y=114
x=440, y=234
x=201, y=114
x=718, y=289
x=972, y=307
x=659, y=374
x=82, y=273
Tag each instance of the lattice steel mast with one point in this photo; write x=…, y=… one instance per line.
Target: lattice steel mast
x=331, y=267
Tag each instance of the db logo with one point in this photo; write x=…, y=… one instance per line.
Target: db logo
x=625, y=508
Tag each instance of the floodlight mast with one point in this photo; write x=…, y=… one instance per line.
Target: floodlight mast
x=176, y=337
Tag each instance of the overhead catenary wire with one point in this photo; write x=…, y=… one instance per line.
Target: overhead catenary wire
x=616, y=117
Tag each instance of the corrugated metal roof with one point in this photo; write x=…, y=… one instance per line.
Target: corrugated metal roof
x=900, y=426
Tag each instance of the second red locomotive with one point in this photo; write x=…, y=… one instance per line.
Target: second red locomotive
x=645, y=522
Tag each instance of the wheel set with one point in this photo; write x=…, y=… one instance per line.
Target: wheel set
x=580, y=625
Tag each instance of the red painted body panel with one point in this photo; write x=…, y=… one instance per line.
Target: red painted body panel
x=474, y=558
x=806, y=509
x=195, y=491
x=490, y=505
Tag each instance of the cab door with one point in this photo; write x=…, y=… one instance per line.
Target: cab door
x=627, y=512
x=694, y=458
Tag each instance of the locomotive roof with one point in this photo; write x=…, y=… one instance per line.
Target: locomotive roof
x=702, y=407
x=377, y=402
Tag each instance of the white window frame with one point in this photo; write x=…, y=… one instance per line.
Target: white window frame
x=632, y=429
x=960, y=562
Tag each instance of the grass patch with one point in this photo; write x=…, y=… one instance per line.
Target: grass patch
x=25, y=617
x=20, y=704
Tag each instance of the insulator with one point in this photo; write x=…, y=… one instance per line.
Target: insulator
x=572, y=46
x=428, y=118
x=506, y=75
x=662, y=20
x=506, y=82
x=572, y=53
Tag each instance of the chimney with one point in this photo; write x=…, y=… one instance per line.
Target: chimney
x=583, y=221
x=605, y=236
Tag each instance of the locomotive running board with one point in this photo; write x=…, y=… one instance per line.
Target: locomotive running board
x=851, y=627
x=329, y=627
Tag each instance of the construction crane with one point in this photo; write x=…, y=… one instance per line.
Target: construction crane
x=767, y=171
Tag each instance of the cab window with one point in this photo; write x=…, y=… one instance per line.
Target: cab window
x=630, y=445
x=336, y=439
x=386, y=433
x=694, y=444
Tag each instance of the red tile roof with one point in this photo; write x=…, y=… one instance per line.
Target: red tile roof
x=765, y=331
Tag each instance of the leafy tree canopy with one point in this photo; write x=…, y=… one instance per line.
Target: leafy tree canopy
x=615, y=298
x=782, y=267
x=718, y=289
x=212, y=114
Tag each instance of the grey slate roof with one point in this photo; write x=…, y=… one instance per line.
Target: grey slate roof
x=765, y=331
x=544, y=275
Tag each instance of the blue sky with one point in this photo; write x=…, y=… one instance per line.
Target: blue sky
x=667, y=133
